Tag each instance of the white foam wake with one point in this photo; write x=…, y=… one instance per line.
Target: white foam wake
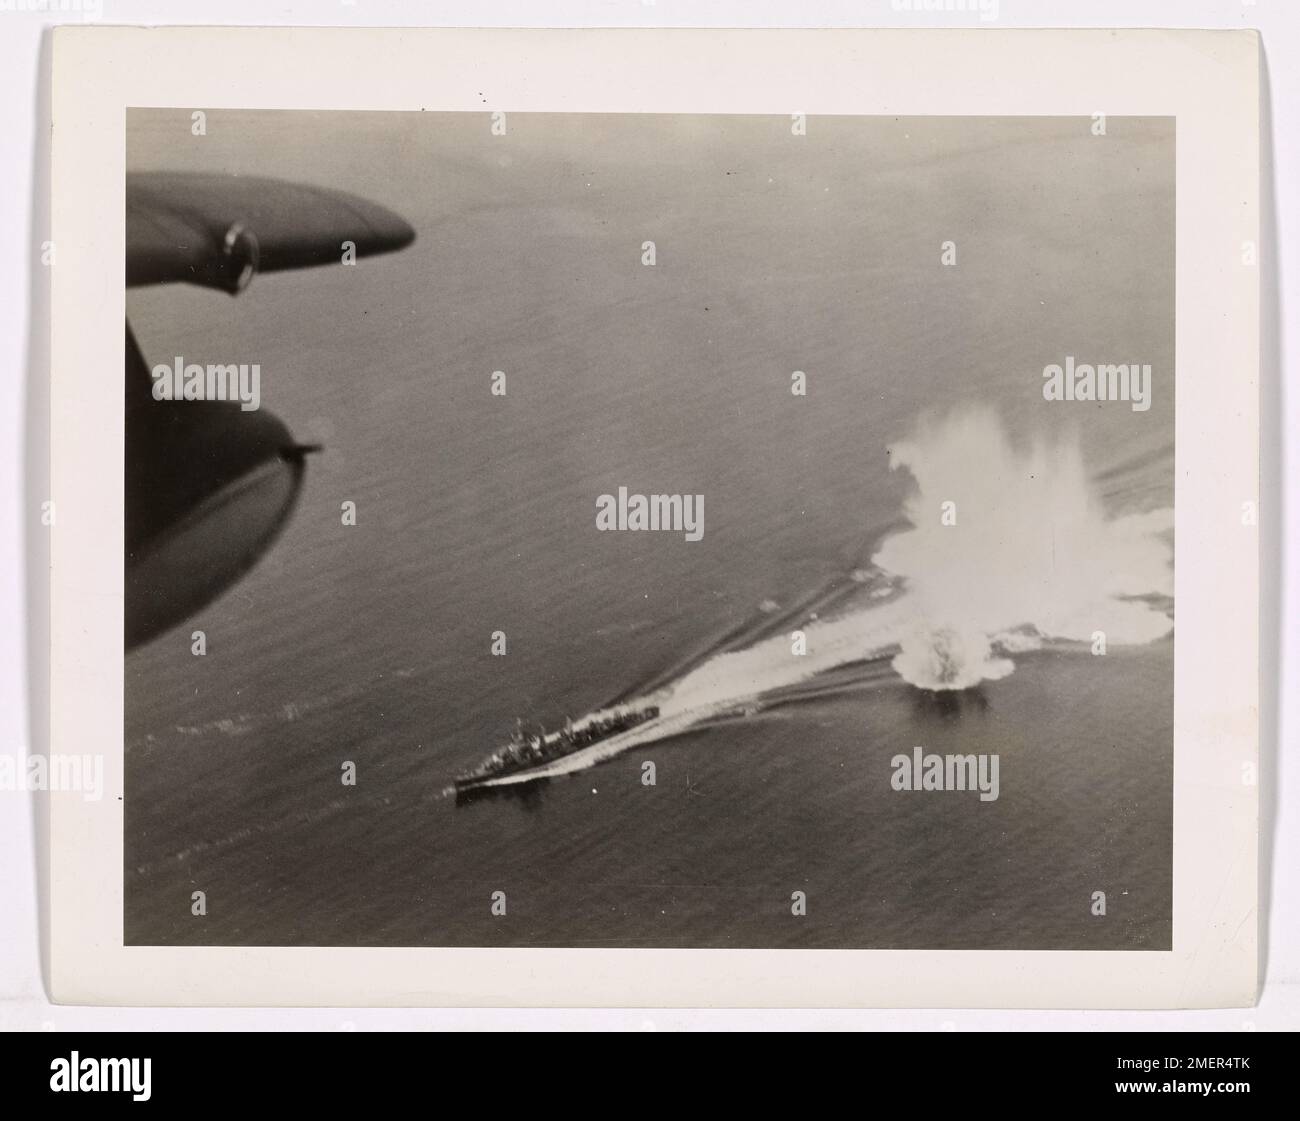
x=1030, y=555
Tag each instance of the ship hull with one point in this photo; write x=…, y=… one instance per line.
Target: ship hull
x=555, y=749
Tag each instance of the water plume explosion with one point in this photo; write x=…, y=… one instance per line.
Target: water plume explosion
x=1029, y=554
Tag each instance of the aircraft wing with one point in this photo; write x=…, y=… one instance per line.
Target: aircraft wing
x=208, y=486
x=218, y=231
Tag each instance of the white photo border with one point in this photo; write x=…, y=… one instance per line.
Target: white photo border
x=1207, y=80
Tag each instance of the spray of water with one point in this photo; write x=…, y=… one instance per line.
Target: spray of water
x=1030, y=556
x=1009, y=546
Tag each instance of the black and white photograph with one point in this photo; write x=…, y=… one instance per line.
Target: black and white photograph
x=642, y=517
x=644, y=530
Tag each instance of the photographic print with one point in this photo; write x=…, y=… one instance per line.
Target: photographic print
x=649, y=530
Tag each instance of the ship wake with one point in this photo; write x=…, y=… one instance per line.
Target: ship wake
x=1003, y=549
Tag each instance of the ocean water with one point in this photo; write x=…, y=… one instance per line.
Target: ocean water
x=475, y=513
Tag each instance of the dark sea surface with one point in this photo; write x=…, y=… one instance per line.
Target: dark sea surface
x=475, y=513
